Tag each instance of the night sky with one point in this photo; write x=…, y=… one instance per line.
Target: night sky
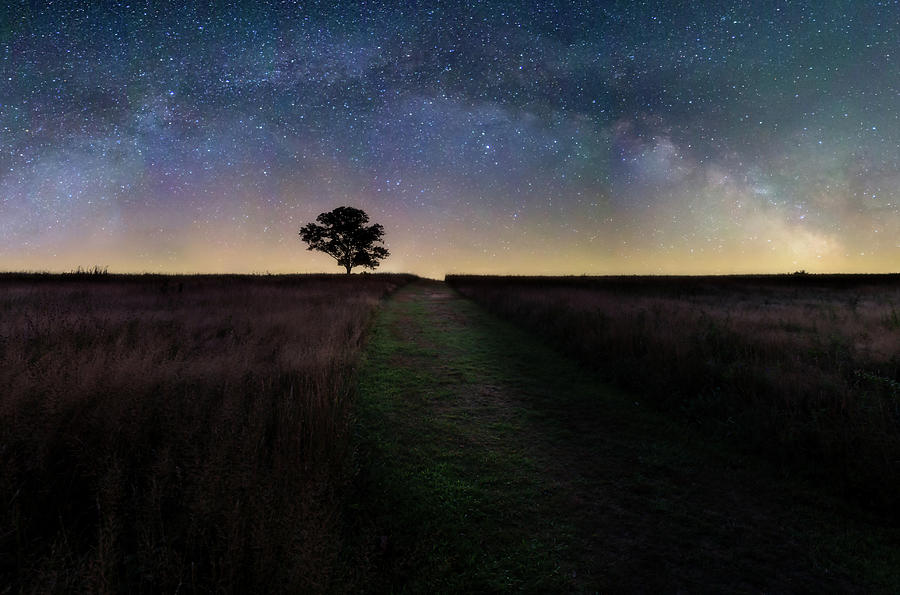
x=487, y=137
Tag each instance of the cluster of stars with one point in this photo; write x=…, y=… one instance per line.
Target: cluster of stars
x=487, y=136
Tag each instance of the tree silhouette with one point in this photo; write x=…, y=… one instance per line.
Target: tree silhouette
x=344, y=236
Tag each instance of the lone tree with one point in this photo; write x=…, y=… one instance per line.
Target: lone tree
x=344, y=236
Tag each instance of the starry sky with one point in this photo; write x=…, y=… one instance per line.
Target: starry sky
x=534, y=137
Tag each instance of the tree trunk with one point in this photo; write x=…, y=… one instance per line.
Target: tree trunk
x=349, y=266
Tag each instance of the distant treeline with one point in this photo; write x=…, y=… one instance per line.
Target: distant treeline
x=102, y=275
x=683, y=284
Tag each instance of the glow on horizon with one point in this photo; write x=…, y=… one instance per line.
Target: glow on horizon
x=627, y=139
x=448, y=252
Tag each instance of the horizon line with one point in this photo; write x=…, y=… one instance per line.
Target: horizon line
x=101, y=272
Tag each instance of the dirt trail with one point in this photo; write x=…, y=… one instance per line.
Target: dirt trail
x=492, y=463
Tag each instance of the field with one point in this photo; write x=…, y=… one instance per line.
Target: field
x=384, y=433
x=165, y=434
x=804, y=369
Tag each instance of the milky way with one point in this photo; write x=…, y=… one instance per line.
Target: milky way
x=558, y=138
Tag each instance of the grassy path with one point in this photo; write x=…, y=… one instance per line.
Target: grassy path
x=488, y=463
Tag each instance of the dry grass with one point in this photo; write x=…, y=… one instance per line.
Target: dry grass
x=176, y=434
x=803, y=368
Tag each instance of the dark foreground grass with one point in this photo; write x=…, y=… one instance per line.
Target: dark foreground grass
x=804, y=369
x=486, y=462
x=176, y=434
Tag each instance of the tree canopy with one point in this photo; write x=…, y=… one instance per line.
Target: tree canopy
x=344, y=235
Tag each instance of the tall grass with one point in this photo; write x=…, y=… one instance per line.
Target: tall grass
x=176, y=434
x=804, y=369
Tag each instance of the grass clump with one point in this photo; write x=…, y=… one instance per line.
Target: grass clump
x=801, y=368
x=176, y=434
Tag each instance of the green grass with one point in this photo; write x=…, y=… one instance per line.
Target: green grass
x=473, y=516
x=488, y=462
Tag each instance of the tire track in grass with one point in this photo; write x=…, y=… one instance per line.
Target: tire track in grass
x=487, y=462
